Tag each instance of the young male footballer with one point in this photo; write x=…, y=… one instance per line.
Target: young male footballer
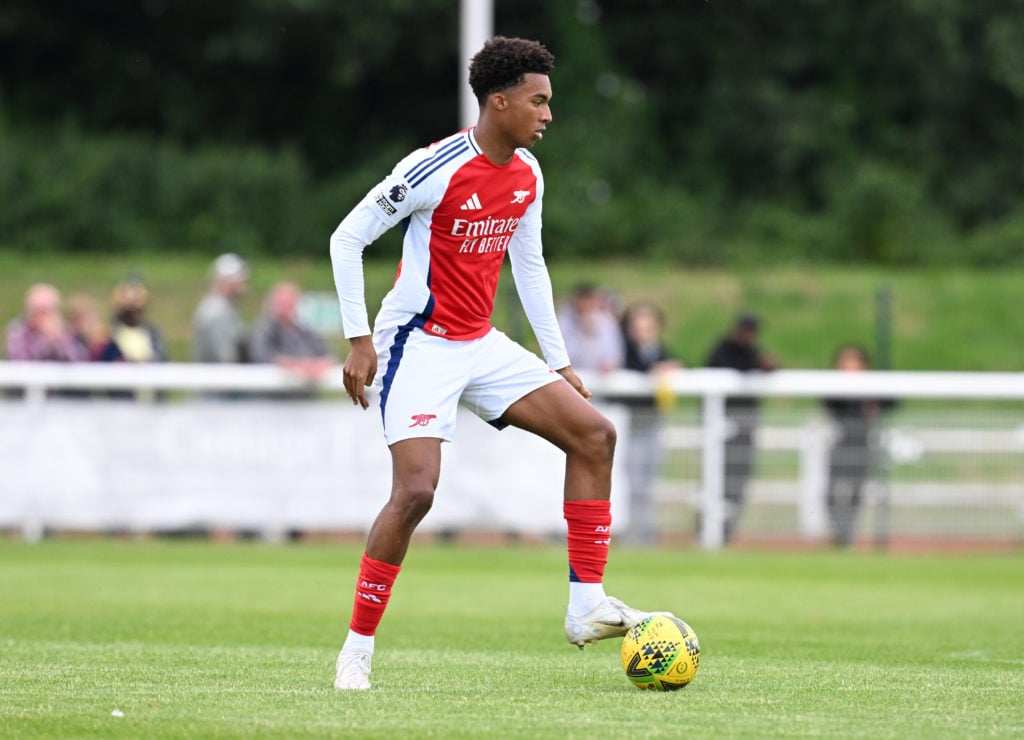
x=464, y=202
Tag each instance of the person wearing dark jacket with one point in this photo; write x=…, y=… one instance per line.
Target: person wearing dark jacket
x=645, y=352
x=739, y=350
x=854, y=447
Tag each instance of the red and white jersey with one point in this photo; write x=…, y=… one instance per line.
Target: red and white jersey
x=461, y=214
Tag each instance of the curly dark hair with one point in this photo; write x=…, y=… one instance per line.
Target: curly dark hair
x=502, y=62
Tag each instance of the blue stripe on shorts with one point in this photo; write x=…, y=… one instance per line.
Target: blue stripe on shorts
x=397, y=350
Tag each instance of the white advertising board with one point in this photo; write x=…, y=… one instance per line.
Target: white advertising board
x=258, y=465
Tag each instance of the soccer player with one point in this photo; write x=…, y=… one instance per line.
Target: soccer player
x=464, y=202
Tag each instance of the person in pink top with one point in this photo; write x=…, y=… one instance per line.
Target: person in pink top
x=464, y=203
x=42, y=334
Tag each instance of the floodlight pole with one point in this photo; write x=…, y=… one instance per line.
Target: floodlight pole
x=476, y=25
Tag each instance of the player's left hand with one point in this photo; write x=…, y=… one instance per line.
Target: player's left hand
x=574, y=380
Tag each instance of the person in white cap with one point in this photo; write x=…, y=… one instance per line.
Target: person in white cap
x=218, y=332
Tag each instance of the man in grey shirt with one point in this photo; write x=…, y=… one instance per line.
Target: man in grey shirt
x=218, y=332
x=279, y=337
x=593, y=337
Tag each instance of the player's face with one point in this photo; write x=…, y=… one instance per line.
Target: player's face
x=529, y=109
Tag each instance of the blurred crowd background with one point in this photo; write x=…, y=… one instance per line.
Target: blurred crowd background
x=850, y=169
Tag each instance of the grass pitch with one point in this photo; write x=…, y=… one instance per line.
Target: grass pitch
x=201, y=639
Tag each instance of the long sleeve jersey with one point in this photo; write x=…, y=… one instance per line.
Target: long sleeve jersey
x=461, y=213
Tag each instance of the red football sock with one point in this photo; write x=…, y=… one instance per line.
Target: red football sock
x=590, y=526
x=373, y=589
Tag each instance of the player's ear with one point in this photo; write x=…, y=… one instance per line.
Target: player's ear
x=498, y=101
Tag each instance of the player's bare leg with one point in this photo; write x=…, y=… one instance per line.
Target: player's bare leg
x=559, y=414
x=563, y=417
x=415, y=470
x=416, y=466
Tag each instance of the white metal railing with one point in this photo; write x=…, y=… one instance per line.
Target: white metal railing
x=713, y=386
x=35, y=381
x=38, y=377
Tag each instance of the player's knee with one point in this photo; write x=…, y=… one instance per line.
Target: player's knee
x=598, y=443
x=413, y=501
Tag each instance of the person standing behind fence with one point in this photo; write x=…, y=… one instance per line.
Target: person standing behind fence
x=593, y=336
x=41, y=334
x=645, y=352
x=90, y=330
x=218, y=332
x=738, y=350
x=854, y=449
x=138, y=339
x=278, y=337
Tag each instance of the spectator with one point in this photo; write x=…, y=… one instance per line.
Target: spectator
x=854, y=448
x=645, y=352
x=738, y=350
x=593, y=336
x=278, y=336
x=138, y=340
x=41, y=334
x=218, y=332
x=90, y=332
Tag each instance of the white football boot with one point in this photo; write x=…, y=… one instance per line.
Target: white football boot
x=352, y=671
x=610, y=618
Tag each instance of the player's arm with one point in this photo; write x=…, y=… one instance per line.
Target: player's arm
x=383, y=207
x=348, y=241
x=533, y=283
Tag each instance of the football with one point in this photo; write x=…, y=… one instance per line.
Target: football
x=662, y=653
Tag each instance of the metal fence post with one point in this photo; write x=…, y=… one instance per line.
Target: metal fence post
x=32, y=526
x=814, y=452
x=712, y=521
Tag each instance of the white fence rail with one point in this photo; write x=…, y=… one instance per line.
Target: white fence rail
x=714, y=386
x=334, y=456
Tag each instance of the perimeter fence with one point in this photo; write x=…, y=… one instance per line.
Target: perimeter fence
x=186, y=446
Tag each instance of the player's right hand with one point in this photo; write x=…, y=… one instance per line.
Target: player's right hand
x=360, y=369
x=574, y=380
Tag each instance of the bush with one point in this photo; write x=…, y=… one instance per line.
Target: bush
x=883, y=216
x=67, y=191
x=72, y=192
x=771, y=232
x=998, y=245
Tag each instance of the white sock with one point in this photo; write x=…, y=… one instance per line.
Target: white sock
x=584, y=596
x=356, y=641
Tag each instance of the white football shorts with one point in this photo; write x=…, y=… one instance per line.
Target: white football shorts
x=421, y=380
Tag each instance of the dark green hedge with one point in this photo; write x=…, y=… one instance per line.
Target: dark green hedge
x=68, y=191
x=65, y=190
